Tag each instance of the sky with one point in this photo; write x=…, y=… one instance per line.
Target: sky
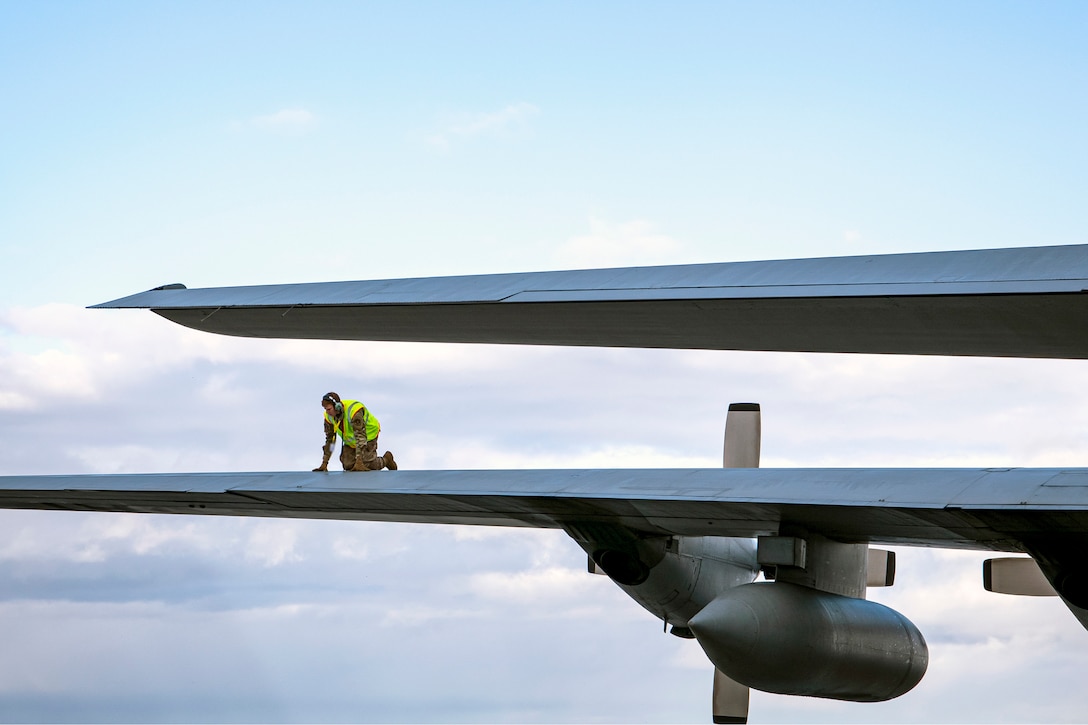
x=267, y=142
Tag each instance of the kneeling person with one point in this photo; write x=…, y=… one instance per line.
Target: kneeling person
x=359, y=431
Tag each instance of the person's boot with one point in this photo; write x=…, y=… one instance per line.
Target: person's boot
x=389, y=462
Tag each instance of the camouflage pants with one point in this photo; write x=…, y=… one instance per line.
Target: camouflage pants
x=371, y=460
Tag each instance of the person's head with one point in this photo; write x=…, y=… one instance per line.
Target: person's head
x=332, y=405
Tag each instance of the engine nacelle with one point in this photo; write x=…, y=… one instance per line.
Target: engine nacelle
x=793, y=640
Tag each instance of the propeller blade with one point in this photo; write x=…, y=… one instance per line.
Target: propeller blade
x=741, y=450
x=730, y=700
x=742, y=434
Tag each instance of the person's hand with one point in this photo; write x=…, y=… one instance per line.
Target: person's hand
x=322, y=467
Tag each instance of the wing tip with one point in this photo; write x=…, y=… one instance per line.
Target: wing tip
x=136, y=300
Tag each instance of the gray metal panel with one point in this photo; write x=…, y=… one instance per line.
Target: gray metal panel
x=1029, y=269
x=1010, y=302
x=984, y=509
x=787, y=292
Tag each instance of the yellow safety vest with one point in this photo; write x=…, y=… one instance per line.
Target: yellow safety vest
x=344, y=428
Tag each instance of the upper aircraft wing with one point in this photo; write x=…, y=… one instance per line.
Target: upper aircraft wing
x=1027, y=302
x=994, y=509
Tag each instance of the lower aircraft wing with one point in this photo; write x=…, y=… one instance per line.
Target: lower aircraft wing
x=1028, y=302
x=991, y=509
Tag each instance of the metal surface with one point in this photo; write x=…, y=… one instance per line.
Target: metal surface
x=1028, y=302
x=830, y=565
x=1019, y=576
x=965, y=508
x=729, y=702
x=743, y=436
x=880, y=568
x=793, y=640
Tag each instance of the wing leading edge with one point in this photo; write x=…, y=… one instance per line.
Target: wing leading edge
x=1027, y=302
x=965, y=508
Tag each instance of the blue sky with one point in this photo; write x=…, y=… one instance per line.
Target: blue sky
x=230, y=145
x=146, y=143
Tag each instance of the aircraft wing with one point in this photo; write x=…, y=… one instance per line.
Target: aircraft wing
x=993, y=509
x=1027, y=302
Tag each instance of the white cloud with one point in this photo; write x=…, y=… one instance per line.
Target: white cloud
x=414, y=616
x=611, y=244
x=511, y=119
x=472, y=455
x=68, y=352
x=272, y=544
x=347, y=547
x=287, y=120
x=143, y=535
x=548, y=587
x=98, y=538
x=691, y=657
x=123, y=458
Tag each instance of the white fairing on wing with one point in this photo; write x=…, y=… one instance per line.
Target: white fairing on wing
x=880, y=570
x=1016, y=575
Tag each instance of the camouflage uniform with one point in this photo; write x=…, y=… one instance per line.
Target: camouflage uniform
x=362, y=456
